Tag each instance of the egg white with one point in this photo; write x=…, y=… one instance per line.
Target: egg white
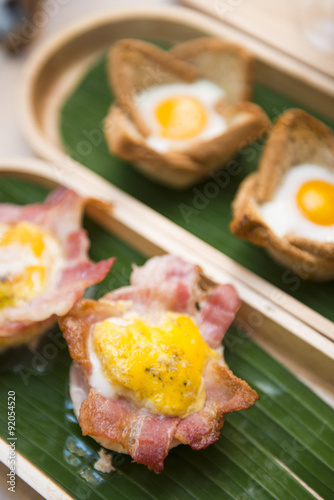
x=208, y=93
x=97, y=379
x=282, y=214
x=16, y=261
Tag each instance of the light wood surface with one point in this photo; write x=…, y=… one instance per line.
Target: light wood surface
x=22, y=491
x=273, y=31
x=152, y=234
x=33, y=476
x=280, y=25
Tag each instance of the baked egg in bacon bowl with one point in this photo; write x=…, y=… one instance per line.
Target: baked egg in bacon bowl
x=44, y=266
x=181, y=114
x=287, y=206
x=149, y=371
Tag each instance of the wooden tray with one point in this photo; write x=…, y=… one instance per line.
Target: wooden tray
x=50, y=75
x=297, y=336
x=152, y=234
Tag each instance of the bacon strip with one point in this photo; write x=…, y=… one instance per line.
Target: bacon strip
x=159, y=271
x=76, y=326
x=61, y=214
x=164, y=283
x=217, y=311
x=172, y=279
x=224, y=393
x=146, y=437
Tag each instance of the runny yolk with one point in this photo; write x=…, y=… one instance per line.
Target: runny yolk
x=181, y=117
x=27, y=239
x=161, y=365
x=24, y=233
x=315, y=199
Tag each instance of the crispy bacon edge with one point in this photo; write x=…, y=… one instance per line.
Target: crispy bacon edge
x=60, y=214
x=148, y=437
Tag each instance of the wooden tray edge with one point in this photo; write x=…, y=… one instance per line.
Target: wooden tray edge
x=33, y=476
x=277, y=69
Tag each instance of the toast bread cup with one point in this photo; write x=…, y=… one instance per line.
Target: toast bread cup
x=296, y=138
x=135, y=64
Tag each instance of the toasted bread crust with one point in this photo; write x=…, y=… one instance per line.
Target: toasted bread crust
x=135, y=65
x=209, y=54
x=181, y=168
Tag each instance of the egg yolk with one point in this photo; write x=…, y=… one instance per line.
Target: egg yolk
x=160, y=365
x=315, y=199
x=19, y=243
x=24, y=233
x=181, y=117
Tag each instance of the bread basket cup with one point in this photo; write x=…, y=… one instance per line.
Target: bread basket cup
x=296, y=138
x=227, y=65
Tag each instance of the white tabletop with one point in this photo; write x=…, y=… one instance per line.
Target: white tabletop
x=11, y=138
x=12, y=142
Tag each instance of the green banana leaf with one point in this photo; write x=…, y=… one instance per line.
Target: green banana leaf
x=271, y=451
x=204, y=210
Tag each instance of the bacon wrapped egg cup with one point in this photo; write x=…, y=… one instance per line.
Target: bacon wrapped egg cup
x=149, y=371
x=44, y=266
